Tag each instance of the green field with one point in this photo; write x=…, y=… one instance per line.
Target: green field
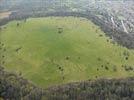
x=57, y=50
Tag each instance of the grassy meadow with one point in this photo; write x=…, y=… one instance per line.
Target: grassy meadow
x=57, y=50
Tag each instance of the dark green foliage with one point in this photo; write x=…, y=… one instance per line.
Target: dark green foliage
x=128, y=68
x=18, y=24
x=122, y=89
x=60, y=30
x=13, y=87
x=106, y=68
x=67, y=58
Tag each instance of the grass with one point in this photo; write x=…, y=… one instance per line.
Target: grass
x=48, y=57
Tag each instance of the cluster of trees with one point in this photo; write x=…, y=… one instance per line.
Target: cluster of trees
x=102, y=89
x=122, y=38
x=14, y=87
x=126, y=55
x=117, y=35
x=40, y=9
x=2, y=53
x=128, y=68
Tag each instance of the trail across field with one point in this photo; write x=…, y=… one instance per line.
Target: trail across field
x=57, y=50
x=4, y=15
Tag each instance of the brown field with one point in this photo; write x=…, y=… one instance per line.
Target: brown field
x=4, y=14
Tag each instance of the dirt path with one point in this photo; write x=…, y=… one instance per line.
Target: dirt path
x=4, y=14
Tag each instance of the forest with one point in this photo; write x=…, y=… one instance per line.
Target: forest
x=14, y=87
x=66, y=50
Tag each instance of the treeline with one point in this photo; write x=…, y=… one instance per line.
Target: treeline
x=122, y=38
x=115, y=89
x=14, y=87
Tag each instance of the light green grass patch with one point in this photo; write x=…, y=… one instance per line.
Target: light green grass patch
x=48, y=58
